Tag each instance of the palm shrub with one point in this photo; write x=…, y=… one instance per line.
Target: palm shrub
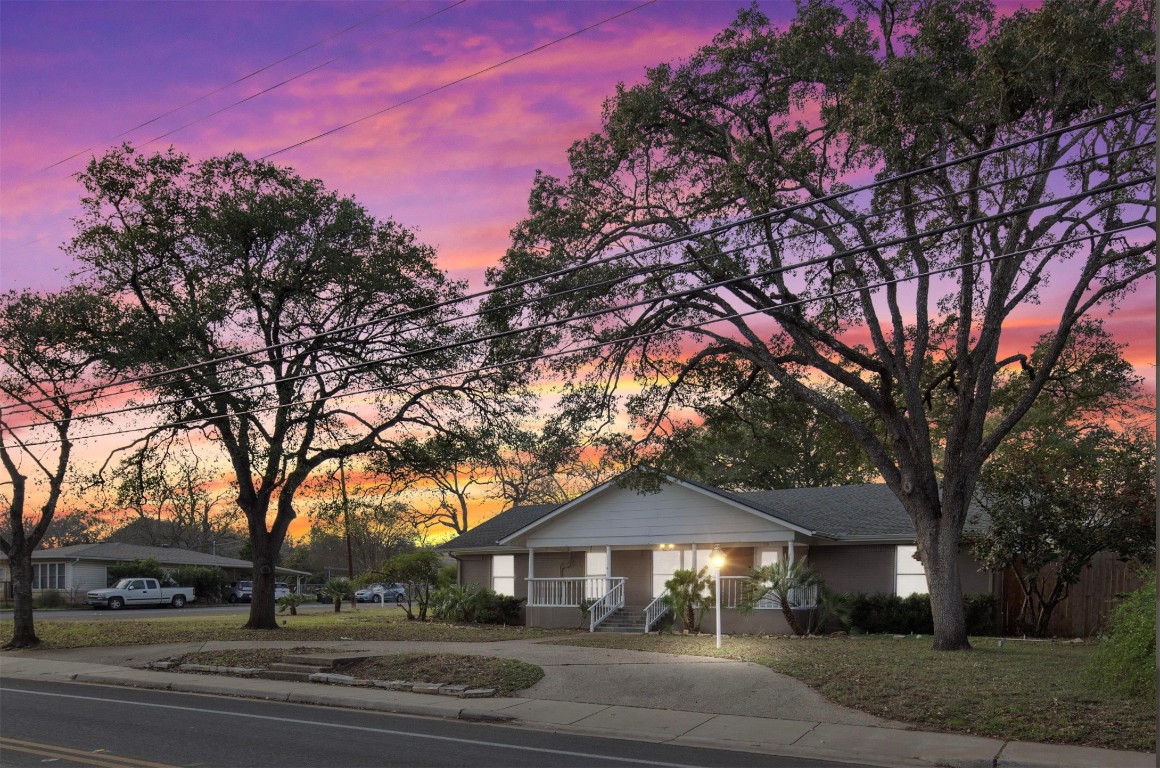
x=455, y=602
x=338, y=589
x=1125, y=659
x=290, y=602
x=689, y=594
x=833, y=608
x=779, y=580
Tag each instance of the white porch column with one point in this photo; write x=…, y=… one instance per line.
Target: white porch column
x=531, y=575
x=791, y=553
x=607, y=564
x=693, y=565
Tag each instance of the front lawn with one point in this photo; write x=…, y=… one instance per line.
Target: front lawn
x=378, y=625
x=505, y=675
x=1029, y=691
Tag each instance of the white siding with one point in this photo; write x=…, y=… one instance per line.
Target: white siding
x=674, y=515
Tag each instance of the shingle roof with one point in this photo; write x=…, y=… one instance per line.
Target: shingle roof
x=847, y=512
x=119, y=552
x=489, y=532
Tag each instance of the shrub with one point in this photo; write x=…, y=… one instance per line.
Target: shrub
x=291, y=602
x=455, y=603
x=492, y=608
x=890, y=614
x=49, y=599
x=338, y=589
x=1125, y=659
x=207, y=582
x=144, y=569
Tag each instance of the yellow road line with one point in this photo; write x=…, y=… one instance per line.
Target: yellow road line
x=100, y=759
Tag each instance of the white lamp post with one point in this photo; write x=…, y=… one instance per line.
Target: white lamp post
x=717, y=560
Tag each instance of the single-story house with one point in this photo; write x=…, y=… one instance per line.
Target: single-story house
x=618, y=546
x=76, y=569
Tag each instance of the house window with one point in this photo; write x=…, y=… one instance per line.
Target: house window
x=48, y=576
x=909, y=577
x=665, y=561
x=595, y=565
x=768, y=556
x=503, y=574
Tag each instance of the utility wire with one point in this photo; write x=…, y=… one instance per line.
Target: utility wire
x=651, y=270
x=981, y=154
x=465, y=78
x=300, y=75
x=219, y=89
x=208, y=420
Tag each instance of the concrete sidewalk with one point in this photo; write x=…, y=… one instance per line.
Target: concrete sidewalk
x=825, y=732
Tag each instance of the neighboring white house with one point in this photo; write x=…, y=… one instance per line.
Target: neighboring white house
x=75, y=570
x=619, y=546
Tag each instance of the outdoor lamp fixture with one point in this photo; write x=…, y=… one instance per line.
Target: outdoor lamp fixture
x=717, y=560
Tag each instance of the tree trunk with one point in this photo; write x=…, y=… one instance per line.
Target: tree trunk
x=790, y=619
x=939, y=548
x=20, y=563
x=262, y=606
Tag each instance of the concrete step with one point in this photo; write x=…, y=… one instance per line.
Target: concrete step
x=621, y=630
x=296, y=677
x=307, y=668
x=309, y=660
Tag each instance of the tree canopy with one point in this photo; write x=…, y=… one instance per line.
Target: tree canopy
x=301, y=328
x=713, y=217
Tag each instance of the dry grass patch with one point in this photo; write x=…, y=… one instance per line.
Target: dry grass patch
x=1023, y=691
x=302, y=628
x=505, y=675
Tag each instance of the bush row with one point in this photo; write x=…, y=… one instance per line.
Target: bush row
x=891, y=614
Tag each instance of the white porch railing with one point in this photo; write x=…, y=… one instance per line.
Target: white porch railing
x=654, y=610
x=568, y=592
x=606, y=605
x=733, y=595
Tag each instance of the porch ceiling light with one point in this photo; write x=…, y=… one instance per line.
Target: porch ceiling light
x=717, y=558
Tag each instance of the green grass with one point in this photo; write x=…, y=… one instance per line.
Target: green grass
x=303, y=628
x=505, y=675
x=1023, y=691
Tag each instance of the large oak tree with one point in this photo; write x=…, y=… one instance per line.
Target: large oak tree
x=299, y=323
x=906, y=287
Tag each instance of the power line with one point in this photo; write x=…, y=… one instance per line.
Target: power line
x=241, y=79
x=300, y=75
x=649, y=269
x=208, y=420
x=465, y=78
x=719, y=229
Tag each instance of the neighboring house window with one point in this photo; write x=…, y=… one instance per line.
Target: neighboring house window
x=595, y=564
x=48, y=576
x=909, y=577
x=665, y=561
x=503, y=574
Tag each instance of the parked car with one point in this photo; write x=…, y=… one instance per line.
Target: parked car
x=134, y=591
x=241, y=592
x=387, y=593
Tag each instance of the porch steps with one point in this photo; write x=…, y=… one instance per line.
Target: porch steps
x=628, y=619
x=300, y=667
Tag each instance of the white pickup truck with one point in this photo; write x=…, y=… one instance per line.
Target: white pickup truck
x=135, y=591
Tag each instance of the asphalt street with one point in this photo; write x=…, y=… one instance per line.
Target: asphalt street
x=165, y=612
x=62, y=724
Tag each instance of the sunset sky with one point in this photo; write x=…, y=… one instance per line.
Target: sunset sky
x=78, y=77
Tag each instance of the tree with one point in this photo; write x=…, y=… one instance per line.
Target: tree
x=49, y=378
x=784, y=580
x=754, y=435
x=1074, y=479
x=302, y=330
x=169, y=493
x=420, y=572
x=375, y=527
x=890, y=294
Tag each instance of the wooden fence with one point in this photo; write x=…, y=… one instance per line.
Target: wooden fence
x=1088, y=604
